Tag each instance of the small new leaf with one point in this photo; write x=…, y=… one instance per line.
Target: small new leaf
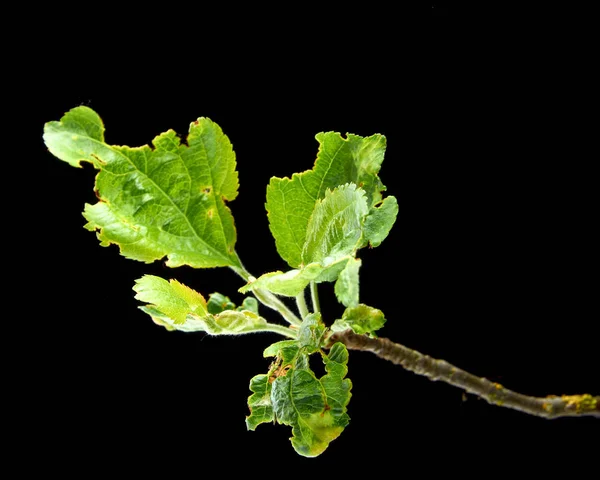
x=361, y=319
x=177, y=307
x=380, y=220
x=335, y=227
x=217, y=302
x=347, y=285
x=155, y=202
x=172, y=298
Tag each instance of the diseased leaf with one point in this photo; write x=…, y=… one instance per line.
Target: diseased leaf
x=290, y=202
x=380, y=220
x=361, y=319
x=259, y=403
x=155, y=202
x=347, y=285
x=315, y=409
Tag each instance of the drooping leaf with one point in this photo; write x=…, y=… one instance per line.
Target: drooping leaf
x=380, y=220
x=166, y=201
x=361, y=319
x=290, y=202
x=347, y=284
x=172, y=298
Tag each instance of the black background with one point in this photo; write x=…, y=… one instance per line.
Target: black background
x=491, y=264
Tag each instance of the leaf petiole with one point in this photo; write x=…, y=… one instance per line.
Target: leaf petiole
x=301, y=303
x=314, y=295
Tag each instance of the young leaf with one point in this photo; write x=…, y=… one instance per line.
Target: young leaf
x=380, y=220
x=177, y=307
x=172, y=298
x=311, y=332
x=335, y=227
x=217, y=302
x=155, y=202
x=361, y=319
x=290, y=202
x=347, y=285
x=250, y=304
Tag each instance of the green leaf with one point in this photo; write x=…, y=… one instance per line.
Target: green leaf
x=290, y=202
x=155, y=202
x=347, y=285
x=335, y=226
x=361, y=319
x=315, y=409
x=172, y=298
x=380, y=221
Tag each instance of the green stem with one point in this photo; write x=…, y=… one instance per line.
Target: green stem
x=314, y=295
x=268, y=299
x=301, y=302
